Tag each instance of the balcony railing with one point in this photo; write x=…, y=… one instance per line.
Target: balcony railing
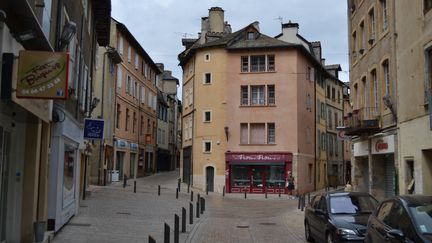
x=361, y=121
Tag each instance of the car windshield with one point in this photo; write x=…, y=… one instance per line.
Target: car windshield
x=352, y=204
x=423, y=217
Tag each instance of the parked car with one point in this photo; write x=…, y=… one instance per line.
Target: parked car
x=401, y=219
x=338, y=216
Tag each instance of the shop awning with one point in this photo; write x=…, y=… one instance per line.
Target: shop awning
x=257, y=163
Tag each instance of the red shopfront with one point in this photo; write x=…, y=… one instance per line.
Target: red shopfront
x=257, y=172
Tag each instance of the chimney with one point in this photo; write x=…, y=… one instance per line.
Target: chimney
x=323, y=61
x=316, y=47
x=216, y=20
x=256, y=25
x=160, y=66
x=227, y=29
x=290, y=31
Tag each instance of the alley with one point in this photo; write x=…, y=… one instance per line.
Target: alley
x=116, y=214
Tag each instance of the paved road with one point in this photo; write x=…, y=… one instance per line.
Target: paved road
x=116, y=214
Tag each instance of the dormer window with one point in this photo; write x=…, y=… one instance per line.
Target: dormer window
x=251, y=35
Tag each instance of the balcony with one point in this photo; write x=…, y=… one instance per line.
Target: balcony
x=362, y=121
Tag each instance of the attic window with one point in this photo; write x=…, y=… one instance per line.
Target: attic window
x=250, y=35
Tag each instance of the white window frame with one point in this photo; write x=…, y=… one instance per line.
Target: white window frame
x=119, y=76
x=207, y=57
x=204, y=116
x=136, y=61
x=120, y=45
x=129, y=54
x=204, y=146
x=205, y=78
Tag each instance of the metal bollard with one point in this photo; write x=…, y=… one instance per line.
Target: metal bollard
x=124, y=180
x=223, y=191
x=166, y=233
x=176, y=228
x=158, y=190
x=206, y=189
x=177, y=191
x=245, y=196
x=198, y=197
x=299, y=200
x=190, y=213
x=279, y=192
x=202, y=205
x=151, y=239
x=178, y=183
x=197, y=209
x=265, y=191
x=183, y=220
x=188, y=187
x=134, y=186
x=191, y=196
x=303, y=202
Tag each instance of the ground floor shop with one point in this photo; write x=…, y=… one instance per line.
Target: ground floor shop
x=257, y=172
x=374, y=166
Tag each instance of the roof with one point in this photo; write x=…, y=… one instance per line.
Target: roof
x=167, y=75
x=102, y=15
x=333, y=67
x=124, y=30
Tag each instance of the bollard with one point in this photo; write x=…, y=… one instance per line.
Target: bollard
x=202, y=205
x=134, y=186
x=198, y=197
x=151, y=239
x=176, y=228
x=190, y=213
x=178, y=183
x=245, y=196
x=206, y=189
x=177, y=191
x=299, y=199
x=124, y=180
x=158, y=190
x=265, y=192
x=223, y=191
x=166, y=233
x=183, y=220
x=279, y=192
x=191, y=196
x=188, y=187
x=303, y=202
x=197, y=209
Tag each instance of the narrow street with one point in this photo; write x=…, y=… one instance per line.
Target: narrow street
x=116, y=214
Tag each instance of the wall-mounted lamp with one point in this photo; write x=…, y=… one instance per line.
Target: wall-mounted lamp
x=226, y=129
x=94, y=103
x=388, y=102
x=69, y=30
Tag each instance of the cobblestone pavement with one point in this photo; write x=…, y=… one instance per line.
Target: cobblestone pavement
x=116, y=214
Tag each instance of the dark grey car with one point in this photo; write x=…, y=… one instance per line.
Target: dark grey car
x=338, y=216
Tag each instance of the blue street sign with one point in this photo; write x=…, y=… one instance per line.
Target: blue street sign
x=93, y=128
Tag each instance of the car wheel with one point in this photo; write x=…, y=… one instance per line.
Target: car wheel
x=307, y=232
x=329, y=238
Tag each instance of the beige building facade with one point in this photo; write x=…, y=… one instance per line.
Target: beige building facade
x=245, y=113
x=414, y=75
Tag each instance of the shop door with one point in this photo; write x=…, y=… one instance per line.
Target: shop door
x=210, y=178
x=390, y=175
x=258, y=178
x=5, y=140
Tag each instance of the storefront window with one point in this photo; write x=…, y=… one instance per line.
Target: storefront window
x=275, y=177
x=257, y=176
x=68, y=174
x=240, y=176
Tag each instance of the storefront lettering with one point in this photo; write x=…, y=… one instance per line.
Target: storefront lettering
x=381, y=145
x=258, y=157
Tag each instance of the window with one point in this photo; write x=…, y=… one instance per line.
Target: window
x=250, y=35
x=427, y=5
x=134, y=122
x=128, y=85
x=142, y=126
x=271, y=133
x=310, y=173
x=384, y=17
x=375, y=89
x=257, y=133
x=257, y=95
x=328, y=92
x=129, y=54
x=338, y=97
x=257, y=63
x=362, y=38
x=244, y=95
x=371, y=27
x=323, y=115
x=127, y=119
x=366, y=92
x=207, y=146
x=244, y=133
x=119, y=76
x=386, y=76
x=335, y=119
x=428, y=85
x=330, y=124
x=207, y=57
x=149, y=100
x=271, y=95
x=142, y=94
x=118, y=116
x=333, y=94
x=136, y=61
x=207, y=78
x=120, y=45
x=207, y=116
x=319, y=141
x=271, y=63
x=135, y=93
x=318, y=110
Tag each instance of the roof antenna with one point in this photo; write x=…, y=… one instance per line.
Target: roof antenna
x=280, y=19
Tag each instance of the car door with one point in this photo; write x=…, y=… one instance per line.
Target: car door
x=311, y=216
x=377, y=224
x=321, y=218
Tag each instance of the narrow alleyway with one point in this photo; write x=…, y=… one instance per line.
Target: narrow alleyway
x=116, y=214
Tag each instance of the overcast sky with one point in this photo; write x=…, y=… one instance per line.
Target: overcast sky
x=159, y=25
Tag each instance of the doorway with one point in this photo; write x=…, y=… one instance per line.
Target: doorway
x=5, y=141
x=210, y=178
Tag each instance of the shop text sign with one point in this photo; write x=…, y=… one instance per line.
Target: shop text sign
x=383, y=145
x=259, y=157
x=93, y=128
x=42, y=75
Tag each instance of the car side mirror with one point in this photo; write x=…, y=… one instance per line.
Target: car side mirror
x=320, y=212
x=396, y=234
